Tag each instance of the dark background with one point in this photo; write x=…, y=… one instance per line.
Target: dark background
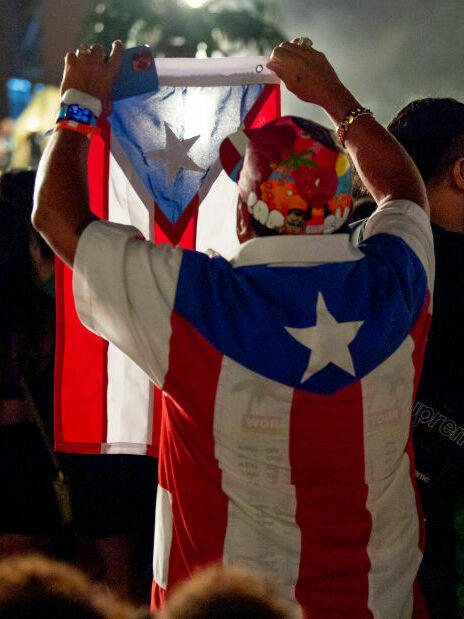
x=386, y=52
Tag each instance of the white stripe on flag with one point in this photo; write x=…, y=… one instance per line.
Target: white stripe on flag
x=261, y=528
x=240, y=141
x=128, y=197
x=233, y=71
x=163, y=537
x=393, y=545
x=129, y=389
x=217, y=218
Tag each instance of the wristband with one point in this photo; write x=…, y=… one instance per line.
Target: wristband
x=87, y=130
x=349, y=119
x=77, y=113
x=83, y=99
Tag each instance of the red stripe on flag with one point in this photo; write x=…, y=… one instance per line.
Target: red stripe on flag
x=98, y=166
x=265, y=109
x=327, y=462
x=80, y=383
x=187, y=241
x=158, y=399
x=59, y=354
x=158, y=597
x=81, y=357
x=174, y=233
x=187, y=452
x=230, y=156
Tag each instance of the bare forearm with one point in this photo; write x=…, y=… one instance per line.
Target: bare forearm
x=385, y=168
x=61, y=201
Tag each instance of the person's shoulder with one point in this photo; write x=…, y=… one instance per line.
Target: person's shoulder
x=449, y=253
x=446, y=241
x=102, y=227
x=398, y=206
x=449, y=249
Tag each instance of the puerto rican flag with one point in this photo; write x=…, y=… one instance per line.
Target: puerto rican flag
x=156, y=168
x=289, y=373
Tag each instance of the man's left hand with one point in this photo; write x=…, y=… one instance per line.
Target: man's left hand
x=88, y=70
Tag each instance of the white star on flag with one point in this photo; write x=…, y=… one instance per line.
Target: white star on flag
x=174, y=155
x=328, y=341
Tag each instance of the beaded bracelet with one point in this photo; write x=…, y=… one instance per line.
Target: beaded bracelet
x=87, y=130
x=349, y=119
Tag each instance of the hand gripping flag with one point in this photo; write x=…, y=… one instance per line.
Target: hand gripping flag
x=155, y=167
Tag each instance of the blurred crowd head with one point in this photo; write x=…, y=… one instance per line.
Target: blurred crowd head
x=218, y=592
x=33, y=586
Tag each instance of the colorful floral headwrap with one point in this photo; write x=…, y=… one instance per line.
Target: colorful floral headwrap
x=293, y=176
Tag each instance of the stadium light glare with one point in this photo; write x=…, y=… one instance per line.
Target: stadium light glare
x=196, y=4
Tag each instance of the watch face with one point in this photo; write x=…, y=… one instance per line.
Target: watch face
x=79, y=114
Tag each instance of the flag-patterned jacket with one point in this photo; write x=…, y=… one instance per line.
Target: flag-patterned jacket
x=290, y=373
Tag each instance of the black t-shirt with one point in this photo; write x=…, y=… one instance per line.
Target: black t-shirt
x=438, y=415
x=438, y=419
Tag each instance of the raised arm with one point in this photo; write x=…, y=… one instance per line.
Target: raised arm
x=61, y=201
x=384, y=166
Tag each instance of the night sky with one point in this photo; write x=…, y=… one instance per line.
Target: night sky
x=387, y=53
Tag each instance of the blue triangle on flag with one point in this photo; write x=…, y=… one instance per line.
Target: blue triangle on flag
x=172, y=137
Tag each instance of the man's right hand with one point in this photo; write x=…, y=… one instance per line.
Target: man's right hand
x=306, y=72
x=383, y=165
x=88, y=70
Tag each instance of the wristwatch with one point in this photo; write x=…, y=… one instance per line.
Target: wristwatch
x=78, y=114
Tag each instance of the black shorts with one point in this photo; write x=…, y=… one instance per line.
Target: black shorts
x=111, y=494
x=27, y=497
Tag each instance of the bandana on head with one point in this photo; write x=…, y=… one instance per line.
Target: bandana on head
x=293, y=176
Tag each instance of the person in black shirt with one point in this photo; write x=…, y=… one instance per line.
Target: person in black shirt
x=30, y=519
x=432, y=132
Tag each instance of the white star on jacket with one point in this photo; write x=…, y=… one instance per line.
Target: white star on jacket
x=328, y=340
x=174, y=155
